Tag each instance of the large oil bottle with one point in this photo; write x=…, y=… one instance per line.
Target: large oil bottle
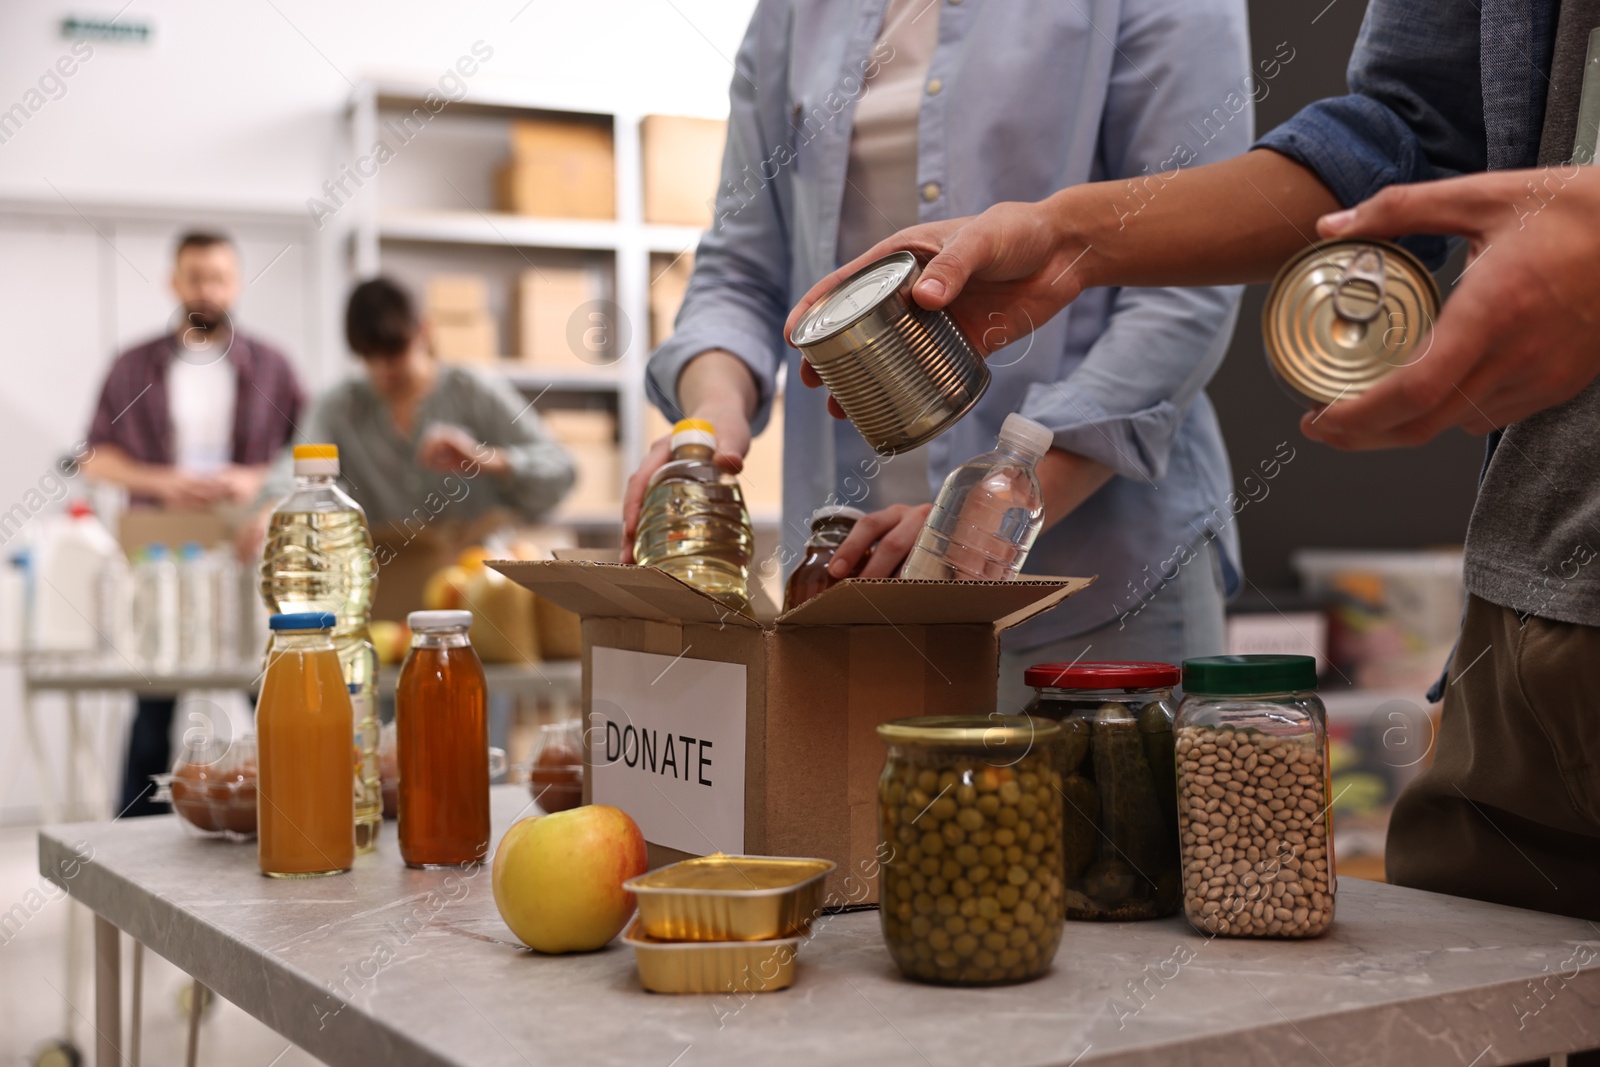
x=318, y=557
x=694, y=524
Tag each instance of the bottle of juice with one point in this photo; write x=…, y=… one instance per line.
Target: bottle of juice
x=442, y=744
x=988, y=511
x=318, y=557
x=694, y=524
x=829, y=527
x=305, y=814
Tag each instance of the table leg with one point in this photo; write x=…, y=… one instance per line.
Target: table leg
x=197, y=1001
x=136, y=1008
x=107, y=993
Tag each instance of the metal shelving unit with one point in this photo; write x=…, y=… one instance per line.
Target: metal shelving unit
x=627, y=241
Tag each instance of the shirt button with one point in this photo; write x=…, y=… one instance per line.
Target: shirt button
x=930, y=192
x=934, y=86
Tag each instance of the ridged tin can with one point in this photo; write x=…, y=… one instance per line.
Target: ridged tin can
x=1343, y=314
x=901, y=373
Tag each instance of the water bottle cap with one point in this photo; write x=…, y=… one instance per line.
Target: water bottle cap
x=302, y=620
x=191, y=550
x=1026, y=435
x=314, y=460
x=430, y=622
x=156, y=551
x=836, y=511
x=693, y=432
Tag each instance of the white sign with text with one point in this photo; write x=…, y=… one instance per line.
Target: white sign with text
x=666, y=739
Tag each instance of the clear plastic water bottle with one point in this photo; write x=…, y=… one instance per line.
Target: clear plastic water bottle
x=197, y=608
x=988, y=511
x=318, y=558
x=694, y=524
x=156, y=609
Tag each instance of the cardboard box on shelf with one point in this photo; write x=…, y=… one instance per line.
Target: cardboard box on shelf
x=591, y=439
x=547, y=300
x=560, y=168
x=682, y=160
x=466, y=340
x=717, y=731
x=453, y=297
x=668, y=284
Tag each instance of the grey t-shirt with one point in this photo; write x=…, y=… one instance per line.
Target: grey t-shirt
x=379, y=468
x=1533, y=544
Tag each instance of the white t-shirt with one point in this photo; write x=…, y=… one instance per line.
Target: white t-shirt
x=200, y=399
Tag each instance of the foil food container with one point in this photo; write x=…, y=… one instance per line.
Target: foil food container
x=1343, y=314
x=730, y=898
x=901, y=373
x=712, y=966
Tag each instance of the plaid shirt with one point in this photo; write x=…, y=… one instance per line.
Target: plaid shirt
x=133, y=412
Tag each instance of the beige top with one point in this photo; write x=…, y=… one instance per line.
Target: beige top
x=881, y=194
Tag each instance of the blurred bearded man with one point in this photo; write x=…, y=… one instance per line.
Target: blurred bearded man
x=190, y=420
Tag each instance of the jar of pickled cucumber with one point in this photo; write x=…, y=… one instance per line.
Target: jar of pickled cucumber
x=969, y=809
x=1120, y=810
x=1253, y=797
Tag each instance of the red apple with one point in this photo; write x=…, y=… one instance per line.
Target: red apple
x=558, y=878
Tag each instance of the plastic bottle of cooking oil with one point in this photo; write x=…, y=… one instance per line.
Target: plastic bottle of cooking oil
x=318, y=558
x=694, y=524
x=987, y=513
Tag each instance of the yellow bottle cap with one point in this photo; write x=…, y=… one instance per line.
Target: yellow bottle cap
x=316, y=451
x=693, y=424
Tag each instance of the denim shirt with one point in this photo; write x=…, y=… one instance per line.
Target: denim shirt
x=1437, y=88
x=1036, y=95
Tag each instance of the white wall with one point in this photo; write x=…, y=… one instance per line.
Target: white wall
x=240, y=105
x=234, y=114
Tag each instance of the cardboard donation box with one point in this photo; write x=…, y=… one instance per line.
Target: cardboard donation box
x=720, y=732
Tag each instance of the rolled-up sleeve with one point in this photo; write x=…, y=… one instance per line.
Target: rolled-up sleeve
x=738, y=295
x=1414, y=112
x=1180, y=95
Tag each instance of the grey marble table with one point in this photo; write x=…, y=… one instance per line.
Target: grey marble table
x=393, y=966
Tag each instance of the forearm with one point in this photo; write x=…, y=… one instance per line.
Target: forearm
x=1067, y=480
x=717, y=382
x=108, y=463
x=1225, y=223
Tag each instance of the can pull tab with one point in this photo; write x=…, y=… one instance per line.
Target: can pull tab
x=1359, y=295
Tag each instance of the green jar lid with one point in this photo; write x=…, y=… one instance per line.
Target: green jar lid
x=1243, y=675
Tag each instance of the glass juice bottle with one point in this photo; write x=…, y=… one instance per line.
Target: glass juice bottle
x=318, y=557
x=694, y=524
x=305, y=795
x=829, y=527
x=442, y=744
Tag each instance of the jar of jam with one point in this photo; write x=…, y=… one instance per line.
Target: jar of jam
x=829, y=527
x=1254, y=798
x=555, y=774
x=1120, y=816
x=969, y=813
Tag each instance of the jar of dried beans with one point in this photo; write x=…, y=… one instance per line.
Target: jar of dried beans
x=1256, y=836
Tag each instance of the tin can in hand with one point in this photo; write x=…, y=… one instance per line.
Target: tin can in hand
x=1343, y=314
x=901, y=373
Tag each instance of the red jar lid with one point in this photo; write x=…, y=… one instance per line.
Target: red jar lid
x=1102, y=675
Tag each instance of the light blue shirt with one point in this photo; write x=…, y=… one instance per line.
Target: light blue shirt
x=1036, y=95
